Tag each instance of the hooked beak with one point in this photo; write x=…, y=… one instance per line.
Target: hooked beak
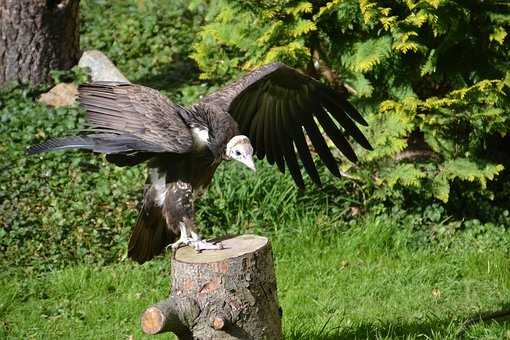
x=248, y=161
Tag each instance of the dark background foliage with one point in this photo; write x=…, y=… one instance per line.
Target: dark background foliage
x=402, y=61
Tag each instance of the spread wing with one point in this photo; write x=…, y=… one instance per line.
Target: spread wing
x=137, y=112
x=129, y=123
x=277, y=107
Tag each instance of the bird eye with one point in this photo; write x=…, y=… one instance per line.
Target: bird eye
x=237, y=153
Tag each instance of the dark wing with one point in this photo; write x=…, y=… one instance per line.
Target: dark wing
x=127, y=122
x=138, y=111
x=277, y=107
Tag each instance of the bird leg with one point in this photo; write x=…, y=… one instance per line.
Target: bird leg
x=195, y=241
x=183, y=240
x=179, y=209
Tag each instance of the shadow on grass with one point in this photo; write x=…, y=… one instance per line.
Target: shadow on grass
x=433, y=328
x=372, y=330
x=501, y=315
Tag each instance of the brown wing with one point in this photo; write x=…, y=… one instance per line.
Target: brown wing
x=139, y=112
x=275, y=106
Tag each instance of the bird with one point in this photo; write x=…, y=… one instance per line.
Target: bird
x=273, y=112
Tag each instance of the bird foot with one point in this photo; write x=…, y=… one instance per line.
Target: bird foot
x=200, y=245
x=196, y=243
x=181, y=242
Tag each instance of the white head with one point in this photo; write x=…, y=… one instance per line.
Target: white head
x=239, y=148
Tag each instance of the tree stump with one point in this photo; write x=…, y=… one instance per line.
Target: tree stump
x=220, y=294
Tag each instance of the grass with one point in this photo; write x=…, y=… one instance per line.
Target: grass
x=365, y=281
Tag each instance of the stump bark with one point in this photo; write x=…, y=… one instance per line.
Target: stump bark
x=220, y=294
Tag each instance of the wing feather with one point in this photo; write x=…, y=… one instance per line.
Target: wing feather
x=342, y=104
x=348, y=125
x=290, y=155
x=335, y=134
x=277, y=148
x=321, y=147
x=301, y=146
x=268, y=127
x=249, y=106
x=260, y=116
x=275, y=105
x=305, y=156
x=137, y=111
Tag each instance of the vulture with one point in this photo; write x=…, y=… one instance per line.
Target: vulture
x=274, y=112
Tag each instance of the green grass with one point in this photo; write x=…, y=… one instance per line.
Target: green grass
x=365, y=281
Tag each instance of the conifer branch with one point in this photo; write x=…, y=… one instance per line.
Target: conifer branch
x=321, y=68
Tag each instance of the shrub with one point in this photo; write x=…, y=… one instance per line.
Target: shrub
x=432, y=78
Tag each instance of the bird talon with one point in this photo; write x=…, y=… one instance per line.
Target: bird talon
x=180, y=243
x=200, y=245
x=176, y=245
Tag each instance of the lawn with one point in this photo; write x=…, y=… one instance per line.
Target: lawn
x=364, y=281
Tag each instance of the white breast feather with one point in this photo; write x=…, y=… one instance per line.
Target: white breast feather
x=161, y=190
x=159, y=184
x=200, y=137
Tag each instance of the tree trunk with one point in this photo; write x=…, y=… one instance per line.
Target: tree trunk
x=220, y=294
x=37, y=36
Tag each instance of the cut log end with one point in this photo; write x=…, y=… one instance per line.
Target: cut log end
x=218, y=323
x=169, y=316
x=153, y=321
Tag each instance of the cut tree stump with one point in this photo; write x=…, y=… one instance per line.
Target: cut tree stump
x=220, y=294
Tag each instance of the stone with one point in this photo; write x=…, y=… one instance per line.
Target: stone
x=101, y=68
x=63, y=94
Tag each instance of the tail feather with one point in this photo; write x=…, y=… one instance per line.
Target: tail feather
x=149, y=236
x=102, y=142
x=54, y=144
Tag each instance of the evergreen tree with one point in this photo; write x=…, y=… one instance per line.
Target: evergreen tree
x=431, y=76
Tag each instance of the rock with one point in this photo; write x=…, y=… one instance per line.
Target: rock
x=102, y=69
x=63, y=94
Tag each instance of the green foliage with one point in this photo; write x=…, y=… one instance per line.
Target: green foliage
x=76, y=74
x=431, y=76
x=149, y=40
x=59, y=207
x=432, y=79
x=426, y=269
